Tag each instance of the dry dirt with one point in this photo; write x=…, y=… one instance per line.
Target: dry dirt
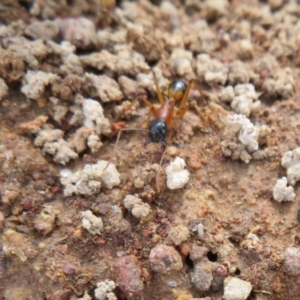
x=45, y=253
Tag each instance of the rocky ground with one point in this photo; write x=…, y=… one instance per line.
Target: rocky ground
x=218, y=220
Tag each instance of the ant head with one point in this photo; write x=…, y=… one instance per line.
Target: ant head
x=177, y=89
x=158, y=131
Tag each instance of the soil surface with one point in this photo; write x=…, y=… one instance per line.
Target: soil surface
x=75, y=73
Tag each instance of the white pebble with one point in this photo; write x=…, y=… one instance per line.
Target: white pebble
x=236, y=289
x=65, y=172
x=291, y=161
x=200, y=230
x=282, y=192
x=177, y=176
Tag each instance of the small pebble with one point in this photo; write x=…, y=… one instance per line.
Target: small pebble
x=202, y=276
x=164, y=259
x=236, y=289
x=291, y=261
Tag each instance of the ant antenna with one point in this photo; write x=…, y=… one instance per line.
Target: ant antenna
x=115, y=147
x=159, y=167
x=117, y=141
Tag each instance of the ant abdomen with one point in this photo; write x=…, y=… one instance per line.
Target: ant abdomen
x=176, y=90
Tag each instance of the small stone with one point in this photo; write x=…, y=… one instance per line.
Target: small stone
x=197, y=252
x=179, y=234
x=2, y=220
x=3, y=89
x=15, y=243
x=220, y=270
x=44, y=223
x=276, y=4
x=172, y=151
x=215, y=9
x=245, y=49
x=129, y=277
x=202, y=275
x=164, y=259
x=138, y=183
x=200, y=230
x=291, y=261
x=69, y=268
x=236, y=289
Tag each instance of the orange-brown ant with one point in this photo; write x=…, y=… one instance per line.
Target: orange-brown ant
x=159, y=127
x=163, y=117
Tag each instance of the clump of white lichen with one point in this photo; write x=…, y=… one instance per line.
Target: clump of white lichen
x=104, y=290
x=91, y=223
x=291, y=161
x=90, y=180
x=3, y=89
x=104, y=87
x=243, y=98
x=282, y=192
x=137, y=207
x=280, y=84
x=94, y=117
x=145, y=80
x=177, y=176
x=211, y=70
x=181, y=61
x=35, y=83
x=238, y=73
x=179, y=234
x=241, y=137
x=51, y=141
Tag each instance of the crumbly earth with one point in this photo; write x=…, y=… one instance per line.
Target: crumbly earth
x=94, y=50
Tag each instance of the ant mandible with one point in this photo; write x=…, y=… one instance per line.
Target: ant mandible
x=159, y=127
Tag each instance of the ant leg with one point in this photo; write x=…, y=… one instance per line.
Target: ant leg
x=204, y=96
x=148, y=140
x=159, y=167
x=184, y=107
x=158, y=91
x=148, y=103
x=187, y=91
x=210, y=118
x=161, y=161
x=181, y=112
x=200, y=113
x=152, y=108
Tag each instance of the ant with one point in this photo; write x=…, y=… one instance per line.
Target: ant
x=158, y=128
x=163, y=117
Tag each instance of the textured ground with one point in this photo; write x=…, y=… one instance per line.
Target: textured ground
x=55, y=55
